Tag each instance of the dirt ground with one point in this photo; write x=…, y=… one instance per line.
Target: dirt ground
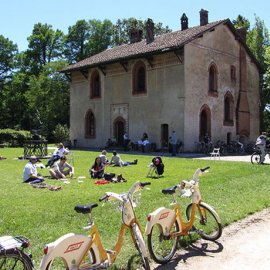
x=243, y=245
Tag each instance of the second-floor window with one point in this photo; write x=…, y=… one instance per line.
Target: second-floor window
x=95, y=85
x=213, y=78
x=139, y=78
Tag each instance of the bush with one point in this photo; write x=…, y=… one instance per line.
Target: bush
x=14, y=137
x=61, y=133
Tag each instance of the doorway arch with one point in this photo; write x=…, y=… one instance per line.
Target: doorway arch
x=119, y=130
x=205, y=122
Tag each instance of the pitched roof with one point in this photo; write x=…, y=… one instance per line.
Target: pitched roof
x=162, y=43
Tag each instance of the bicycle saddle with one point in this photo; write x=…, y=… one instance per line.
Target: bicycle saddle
x=85, y=209
x=170, y=190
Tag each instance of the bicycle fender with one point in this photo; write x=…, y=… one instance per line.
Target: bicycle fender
x=213, y=211
x=163, y=216
x=70, y=247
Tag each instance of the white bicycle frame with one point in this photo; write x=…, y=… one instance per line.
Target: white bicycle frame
x=73, y=248
x=166, y=217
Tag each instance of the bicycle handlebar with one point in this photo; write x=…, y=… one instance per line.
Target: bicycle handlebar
x=143, y=184
x=206, y=168
x=103, y=198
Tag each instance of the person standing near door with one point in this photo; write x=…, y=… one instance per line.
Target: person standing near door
x=173, y=142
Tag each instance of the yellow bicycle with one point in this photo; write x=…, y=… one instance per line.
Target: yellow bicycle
x=87, y=252
x=165, y=226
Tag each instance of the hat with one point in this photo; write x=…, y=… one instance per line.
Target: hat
x=33, y=157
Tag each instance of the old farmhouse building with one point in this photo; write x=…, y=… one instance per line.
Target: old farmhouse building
x=197, y=80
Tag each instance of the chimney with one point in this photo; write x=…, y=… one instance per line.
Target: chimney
x=184, y=22
x=135, y=35
x=149, y=31
x=203, y=17
x=242, y=33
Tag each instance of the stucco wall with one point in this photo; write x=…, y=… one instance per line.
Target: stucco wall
x=163, y=103
x=219, y=47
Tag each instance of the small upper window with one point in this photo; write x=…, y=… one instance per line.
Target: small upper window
x=139, y=78
x=233, y=73
x=213, y=78
x=95, y=86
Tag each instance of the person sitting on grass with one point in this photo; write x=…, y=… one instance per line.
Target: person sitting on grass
x=57, y=154
x=30, y=174
x=62, y=169
x=97, y=169
x=103, y=157
x=117, y=161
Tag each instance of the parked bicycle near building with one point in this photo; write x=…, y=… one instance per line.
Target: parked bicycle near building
x=165, y=226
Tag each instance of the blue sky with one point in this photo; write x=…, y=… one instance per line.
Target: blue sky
x=19, y=16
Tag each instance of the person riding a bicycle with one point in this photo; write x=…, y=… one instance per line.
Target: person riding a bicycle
x=261, y=144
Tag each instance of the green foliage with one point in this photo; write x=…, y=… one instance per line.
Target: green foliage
x=61, y=133
x=122, y=28
x=7, y=52
x=14, y=137
x=234, y=189
x=45, y=45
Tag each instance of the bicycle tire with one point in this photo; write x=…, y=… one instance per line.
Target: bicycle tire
x=162, y=248
x=140, y=246
x=14, y=259
x=255, y=158
x=208, y=227
x=89, y=260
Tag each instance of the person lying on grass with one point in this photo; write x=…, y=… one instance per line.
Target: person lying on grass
x=62, y=169
x=117, y=161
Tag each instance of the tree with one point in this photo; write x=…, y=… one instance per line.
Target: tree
x=100, y=36
x=45, y=46
x=123, y=27
x=8, y=50
x=76, y=48
x=48, y=99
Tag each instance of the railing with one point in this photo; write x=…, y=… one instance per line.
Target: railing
x=35, y=148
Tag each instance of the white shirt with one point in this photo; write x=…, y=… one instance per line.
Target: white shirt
x=61, y=151
x=29, y=169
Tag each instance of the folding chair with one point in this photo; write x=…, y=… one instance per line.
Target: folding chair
x=215, y=153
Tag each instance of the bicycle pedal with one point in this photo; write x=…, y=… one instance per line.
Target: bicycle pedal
x=110, y=251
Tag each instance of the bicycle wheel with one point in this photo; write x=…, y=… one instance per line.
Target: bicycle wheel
x=206, y=223
x=255, y=158
x=140, y=246
x=161, y=247
x=14, y=259
x=89, y=259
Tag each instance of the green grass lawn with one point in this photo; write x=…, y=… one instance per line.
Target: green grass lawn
x=234, y=189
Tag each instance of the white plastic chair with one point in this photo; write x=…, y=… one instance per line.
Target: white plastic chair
x=70, y=158
x=215, y=153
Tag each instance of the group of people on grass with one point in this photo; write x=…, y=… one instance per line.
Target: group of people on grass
x=62, y=169
x=97, y=169
x=59, y=170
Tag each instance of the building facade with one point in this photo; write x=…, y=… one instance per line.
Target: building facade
x=196, y=81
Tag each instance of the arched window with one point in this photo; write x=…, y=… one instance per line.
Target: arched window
x=213, y=78
x=205, y=122
x=90, y=125
x=95, y=85
x=139, y=78
x=228, y=109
